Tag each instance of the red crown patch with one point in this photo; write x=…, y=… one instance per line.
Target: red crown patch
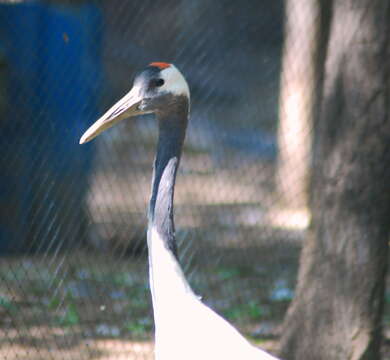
x=160, y=65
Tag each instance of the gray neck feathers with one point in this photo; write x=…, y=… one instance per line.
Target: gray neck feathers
x=172, y=128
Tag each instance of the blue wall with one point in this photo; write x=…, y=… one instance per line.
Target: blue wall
x=53, y=78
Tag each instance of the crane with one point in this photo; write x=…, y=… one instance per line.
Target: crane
x=185, y=328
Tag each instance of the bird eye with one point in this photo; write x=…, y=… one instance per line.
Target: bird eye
x=159, y=82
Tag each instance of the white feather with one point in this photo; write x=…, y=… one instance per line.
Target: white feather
x=174, y=82
x=185, y=327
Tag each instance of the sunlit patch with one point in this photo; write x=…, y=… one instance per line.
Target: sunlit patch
x=290, y=219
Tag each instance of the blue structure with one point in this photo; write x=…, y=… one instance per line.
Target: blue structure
x=53, y=77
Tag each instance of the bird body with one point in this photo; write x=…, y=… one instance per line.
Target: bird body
x=185, y=328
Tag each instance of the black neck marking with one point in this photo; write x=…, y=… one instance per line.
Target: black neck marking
x=172, y=129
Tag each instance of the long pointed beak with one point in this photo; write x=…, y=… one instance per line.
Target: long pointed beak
x=124, y=108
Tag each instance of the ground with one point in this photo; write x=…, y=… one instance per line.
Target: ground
x=239, y=250
x=100, y=308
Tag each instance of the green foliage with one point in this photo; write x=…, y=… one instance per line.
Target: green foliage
x=387, y=298
x=228, y=273
x=54, y=303
x=140, y=328
x=7, y=303
x=250, y=310
x=123, y=279
x=71, y=316
x=140, y=303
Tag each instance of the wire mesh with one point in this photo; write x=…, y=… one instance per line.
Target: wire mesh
x=73, y=219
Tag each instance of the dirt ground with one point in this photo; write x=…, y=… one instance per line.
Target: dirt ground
x=99, y=308
x=239, y=251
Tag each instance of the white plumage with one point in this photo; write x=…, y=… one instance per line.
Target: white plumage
x=185, y=327
x=174, y=82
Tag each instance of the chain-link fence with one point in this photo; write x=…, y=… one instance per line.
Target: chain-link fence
x=73, y=271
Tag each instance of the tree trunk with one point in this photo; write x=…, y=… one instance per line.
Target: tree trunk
x=296, y=102
x=337, y=310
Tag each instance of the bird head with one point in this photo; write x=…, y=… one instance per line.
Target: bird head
x=155, y=89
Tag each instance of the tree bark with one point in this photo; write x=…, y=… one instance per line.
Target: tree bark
x=337, y=310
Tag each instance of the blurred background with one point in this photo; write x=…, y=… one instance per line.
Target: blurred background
x=73, y=269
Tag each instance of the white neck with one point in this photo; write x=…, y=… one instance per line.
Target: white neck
x=168, y=284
